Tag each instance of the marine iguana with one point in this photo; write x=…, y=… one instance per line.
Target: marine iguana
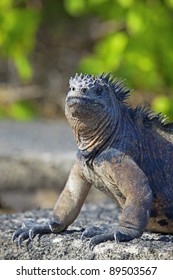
x=126, y=153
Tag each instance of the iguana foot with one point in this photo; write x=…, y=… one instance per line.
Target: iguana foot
x=93, y=231
x=125, y=234
x=30, y=229
x=103, y=234
x=98, y=235
x=100, y=239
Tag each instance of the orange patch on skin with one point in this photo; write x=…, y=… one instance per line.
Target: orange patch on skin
x=160, y=224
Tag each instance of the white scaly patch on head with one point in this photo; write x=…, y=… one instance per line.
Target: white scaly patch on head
x=83, y=81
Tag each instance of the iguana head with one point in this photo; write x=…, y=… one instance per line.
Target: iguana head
x=85, y=98
x=92, y=108
x=96, y=110
x=90, y=95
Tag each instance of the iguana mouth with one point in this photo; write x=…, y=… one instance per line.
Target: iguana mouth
x=74, y=100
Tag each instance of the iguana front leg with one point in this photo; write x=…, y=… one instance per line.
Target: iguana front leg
x=66, y=209
x=133, y=184
x=125, y=177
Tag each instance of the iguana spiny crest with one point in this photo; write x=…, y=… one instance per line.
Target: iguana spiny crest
x=81, y=81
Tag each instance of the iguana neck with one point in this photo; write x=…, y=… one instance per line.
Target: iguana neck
x=113, y=129
x=96, y=134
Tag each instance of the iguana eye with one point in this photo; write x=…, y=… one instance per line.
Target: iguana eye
x=84, y=90
x=99, y=90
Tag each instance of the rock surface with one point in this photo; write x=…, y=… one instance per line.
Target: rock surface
x=69, y=245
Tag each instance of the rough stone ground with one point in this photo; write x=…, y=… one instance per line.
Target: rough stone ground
x=69, y=245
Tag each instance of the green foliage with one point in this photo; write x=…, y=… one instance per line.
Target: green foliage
x=20, y=111
x=139, y=48
x=18, y=26
x=136, y=44
x=163, y=104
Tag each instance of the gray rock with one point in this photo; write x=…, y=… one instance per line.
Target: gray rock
x=68, y=245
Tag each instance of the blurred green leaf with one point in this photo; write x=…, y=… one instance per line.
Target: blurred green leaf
x=75, y=7
x=126, y=3
x=20, y=111
x=163, y=104
x=169, y=3
x=23, y=66
x=135, y=22
x=5, y=3
x=18, y=28
x=108, y=54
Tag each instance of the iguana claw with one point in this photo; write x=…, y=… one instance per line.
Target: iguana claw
x=100, y=239
x=29, y=230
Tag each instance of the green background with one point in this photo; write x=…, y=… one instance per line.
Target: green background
x=136, y=43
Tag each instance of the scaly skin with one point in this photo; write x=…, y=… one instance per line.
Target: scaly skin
x=126, y=153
